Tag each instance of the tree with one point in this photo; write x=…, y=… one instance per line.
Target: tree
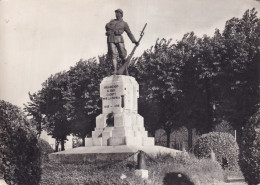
x=240, y=67
x=157, y=73
x=84, y=80
x=50, y=106
x=193, y=102
x=69, y=102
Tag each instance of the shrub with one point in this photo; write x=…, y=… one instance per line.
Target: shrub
x=249, y=158
x=222, y=144
x=174, y=178
x=198, y=171
x=45, y=149
x=20, y=154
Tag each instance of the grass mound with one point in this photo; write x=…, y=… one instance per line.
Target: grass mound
x=198, y=171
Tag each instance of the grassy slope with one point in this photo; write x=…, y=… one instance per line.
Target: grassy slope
x=202, y=171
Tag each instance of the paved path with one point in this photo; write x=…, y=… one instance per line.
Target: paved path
x=235, y=183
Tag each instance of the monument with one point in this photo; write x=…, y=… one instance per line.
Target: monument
x=119, y=95
x=119, y=129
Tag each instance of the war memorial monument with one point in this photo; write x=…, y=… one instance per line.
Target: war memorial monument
x=119, y=129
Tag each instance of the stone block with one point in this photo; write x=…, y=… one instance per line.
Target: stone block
x=105, y=136
x=141, y=129
x=139, y=120
x=101, y=121
x=99, y=129
x=130, y=141
x=133, y=117
x=139, y=140
x=148, y=141
x=97, y=141
x=142, y=173
x=122, y=132
x=104, y=141
x=88, y=142
x=123, y=119
x=115, y=141
x=137, y=133
x=112, y=88
x=108, y=129
x=144, y=133
x=135, y=141
x=96, y=134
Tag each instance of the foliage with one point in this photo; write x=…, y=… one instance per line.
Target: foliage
x=199, y=171
x=178, y=91
x=249, y=160
x=20, y=154
x=199, y=82
x=240, y=69
x=84, y=79
x=45, y=149
x=69, y=102
x=222, y=144
x=49, y=107
x=223, y=126
x=158, y=66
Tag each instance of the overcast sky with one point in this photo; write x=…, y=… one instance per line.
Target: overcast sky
x=42, y=37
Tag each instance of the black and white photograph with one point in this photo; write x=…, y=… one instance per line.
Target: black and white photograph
x=129, y=92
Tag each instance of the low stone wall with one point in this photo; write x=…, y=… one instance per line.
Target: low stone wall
x=108, y=153
x=91, y=157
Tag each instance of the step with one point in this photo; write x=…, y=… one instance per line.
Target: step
x=235, y=179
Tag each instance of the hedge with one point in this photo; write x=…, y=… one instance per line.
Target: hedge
x=249, y=158
x=20, y=154
x=45, y=149
x=222, y=144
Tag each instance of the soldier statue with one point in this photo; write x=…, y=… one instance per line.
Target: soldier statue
x=115, y=42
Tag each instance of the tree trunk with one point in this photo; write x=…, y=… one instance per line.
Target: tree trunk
x=239, y=136
x=83, y=141
x=62, y=145
x=189, y=139
x=168, y=135
x=57, y=145
x=209, y=108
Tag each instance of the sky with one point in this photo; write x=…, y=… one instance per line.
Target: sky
x=42, y=37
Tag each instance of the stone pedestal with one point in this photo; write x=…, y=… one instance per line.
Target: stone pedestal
x=119, y=123
x=142, y=173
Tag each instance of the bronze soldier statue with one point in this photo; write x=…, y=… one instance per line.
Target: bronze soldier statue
x=115, y=42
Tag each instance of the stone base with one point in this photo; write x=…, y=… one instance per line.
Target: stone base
x=142, y=173
x=107, y=153
x=128, y=129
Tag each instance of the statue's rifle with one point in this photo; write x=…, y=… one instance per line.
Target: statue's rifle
x=128, y=59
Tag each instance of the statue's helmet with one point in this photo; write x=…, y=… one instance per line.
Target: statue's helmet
x=119, y=10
